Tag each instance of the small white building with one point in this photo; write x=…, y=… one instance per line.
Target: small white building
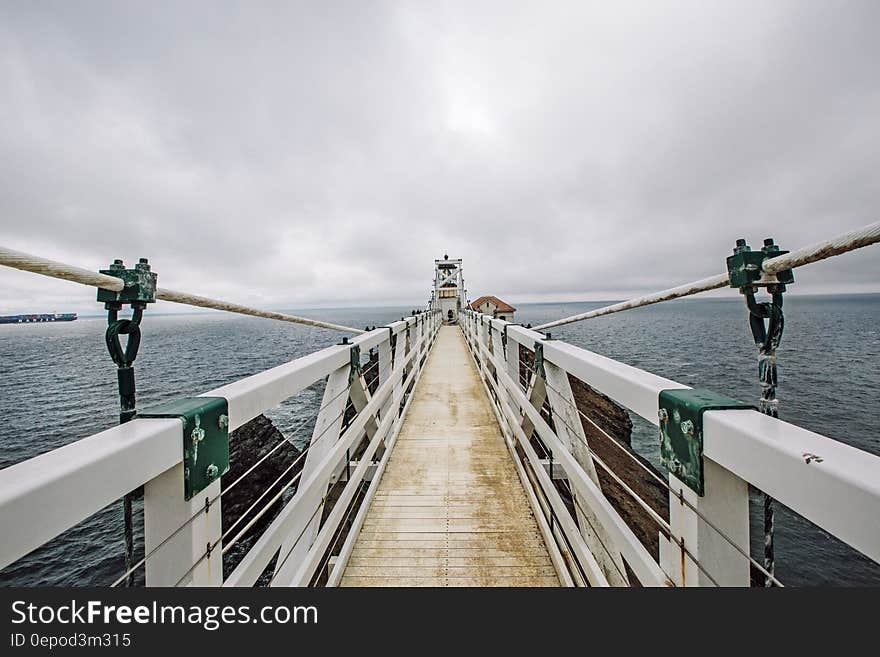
x=495, y=307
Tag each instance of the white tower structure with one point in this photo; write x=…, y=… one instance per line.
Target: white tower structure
x=449, y=294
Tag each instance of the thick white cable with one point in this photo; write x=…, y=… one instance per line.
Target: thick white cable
x=843, y=243
x=205, y=302
x=854, y=239
x=711, y=283
x=54, y=269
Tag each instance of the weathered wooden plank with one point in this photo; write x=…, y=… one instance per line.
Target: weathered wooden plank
x=392, y=559
x=450, y=509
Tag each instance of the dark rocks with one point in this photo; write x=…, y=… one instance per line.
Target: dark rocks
x=247, y=445
x=614, y=420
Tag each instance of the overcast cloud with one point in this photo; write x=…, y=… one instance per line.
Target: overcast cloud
x=300, y=154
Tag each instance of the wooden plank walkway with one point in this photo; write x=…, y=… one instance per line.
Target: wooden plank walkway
x=450, y=509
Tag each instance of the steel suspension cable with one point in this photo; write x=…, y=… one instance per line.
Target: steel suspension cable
x=849, y=241
x=53, y=269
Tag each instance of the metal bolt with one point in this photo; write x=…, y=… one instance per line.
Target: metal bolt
x=741, y=246
x=663, y=415
x=687, y=428
x=212, y=471
x=223, y=421
x=770, y=246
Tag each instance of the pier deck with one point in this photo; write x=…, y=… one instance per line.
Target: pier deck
x=450, y=509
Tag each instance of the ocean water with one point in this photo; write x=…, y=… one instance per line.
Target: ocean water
x=57, y=385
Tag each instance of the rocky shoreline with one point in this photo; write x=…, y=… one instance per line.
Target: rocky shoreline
x=247, y=445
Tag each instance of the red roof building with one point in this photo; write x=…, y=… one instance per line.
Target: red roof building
x=489, y=305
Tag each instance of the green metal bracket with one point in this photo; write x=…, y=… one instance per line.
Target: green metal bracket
x=538, y=365
x=355, y=363
x=205, y=438
x=139, y=283
x=744, y=266
x=681, y=431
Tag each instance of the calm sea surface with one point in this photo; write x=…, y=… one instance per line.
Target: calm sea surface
x=57, y=385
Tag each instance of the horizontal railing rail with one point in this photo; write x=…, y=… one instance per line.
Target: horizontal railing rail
x=69, y=484
x=706, y=539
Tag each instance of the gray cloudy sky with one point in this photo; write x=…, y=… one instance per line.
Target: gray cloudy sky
x=298, y=154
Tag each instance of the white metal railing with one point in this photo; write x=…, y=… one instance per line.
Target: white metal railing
x=706, y=540
x=42, y=497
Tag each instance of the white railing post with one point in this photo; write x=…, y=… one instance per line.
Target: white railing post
x=385, y=370
x=726, y=505
x=397, y=357
x=512, y=359
x=165, y=511
x=484, y=342
x=498, y=353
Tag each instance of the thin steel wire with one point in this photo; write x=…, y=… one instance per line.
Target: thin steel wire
x=657, y=478
x=664, y=526
x=283, y=441
x=211, y=501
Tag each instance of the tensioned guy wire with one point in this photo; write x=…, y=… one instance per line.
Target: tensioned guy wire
x=53, y=269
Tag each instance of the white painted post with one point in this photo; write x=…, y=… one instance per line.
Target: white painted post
x=324, y=437
x=498, y=353
x=165, y=511
x=726, y=505
x=512, y=358
x=385, y=369
x=399, y=355
x=484, y=341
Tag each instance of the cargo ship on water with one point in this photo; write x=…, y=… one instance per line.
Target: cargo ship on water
x=41, y=317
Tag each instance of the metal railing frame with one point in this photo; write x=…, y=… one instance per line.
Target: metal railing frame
x=839, y=491
x=44, y=496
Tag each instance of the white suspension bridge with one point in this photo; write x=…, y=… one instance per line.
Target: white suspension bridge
x=465, y=462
